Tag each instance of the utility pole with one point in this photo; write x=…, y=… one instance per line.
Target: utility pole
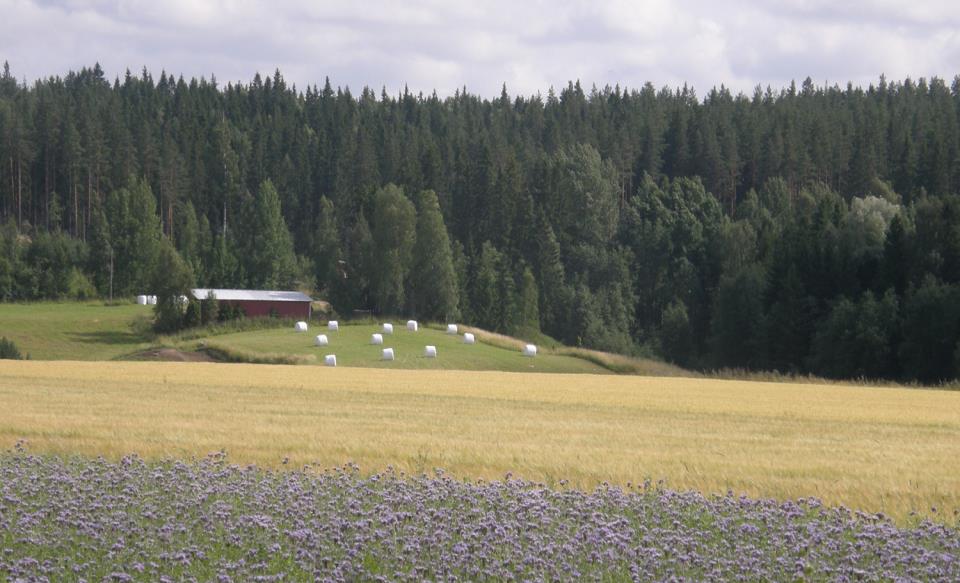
x=111, y=273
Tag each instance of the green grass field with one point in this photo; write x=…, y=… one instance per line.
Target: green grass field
x=76, y=331
x=352, y=347
x=93, y=331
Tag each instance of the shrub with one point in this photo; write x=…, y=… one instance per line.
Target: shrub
x=9, y=350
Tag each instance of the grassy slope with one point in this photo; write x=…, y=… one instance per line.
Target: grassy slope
x=352, y=347
x=890, y=450
x=74, y=331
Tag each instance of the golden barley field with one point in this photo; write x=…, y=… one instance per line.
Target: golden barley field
x=875, y=449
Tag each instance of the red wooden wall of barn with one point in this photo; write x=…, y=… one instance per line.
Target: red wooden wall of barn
x=257, y=309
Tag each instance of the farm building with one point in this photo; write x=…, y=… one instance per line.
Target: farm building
x=258, y=303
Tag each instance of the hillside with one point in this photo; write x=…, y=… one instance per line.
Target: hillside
x=93, y=331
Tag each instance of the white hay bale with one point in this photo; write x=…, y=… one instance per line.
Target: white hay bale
x=387, y=354
x=141, y=300
x=333, y=326
x=412, y=325
x=152, y=300
x=430, y=351
x=376, y=339
x=530, y=350
x=451, y=328
x=321, y=340
x=301, y=327
x=469, y=339
x=330, y=360
x=388, y=328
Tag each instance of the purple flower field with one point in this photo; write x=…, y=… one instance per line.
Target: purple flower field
x=79, y=519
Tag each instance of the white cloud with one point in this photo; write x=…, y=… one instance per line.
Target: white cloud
x=445, y=45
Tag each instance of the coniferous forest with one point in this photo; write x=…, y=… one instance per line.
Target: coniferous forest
x=803, y=229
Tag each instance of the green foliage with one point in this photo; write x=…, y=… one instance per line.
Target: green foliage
x=192, y=316
x=209, y=309
x=9, y=350
x=79, y=287
x=171, y=280
x=675, y=333
x=433, y=280
x=856, y=338
x=529, y=316
x=326, y=241
x=393, y=234
x=624, y=204
x=269, y=259
x=738, y=324
x=129, y=251
x=931, y=330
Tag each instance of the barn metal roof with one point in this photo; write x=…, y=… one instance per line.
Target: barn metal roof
x=251, y=295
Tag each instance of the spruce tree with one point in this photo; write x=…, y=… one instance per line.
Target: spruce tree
x=433, y=281
x=270, y=260
x=394, y=234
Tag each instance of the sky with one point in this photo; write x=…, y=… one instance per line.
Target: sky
x=530, y=46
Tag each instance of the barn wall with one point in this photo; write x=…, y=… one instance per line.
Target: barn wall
x=259, y=309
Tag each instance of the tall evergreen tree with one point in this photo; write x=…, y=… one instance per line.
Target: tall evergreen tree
x=433, y=280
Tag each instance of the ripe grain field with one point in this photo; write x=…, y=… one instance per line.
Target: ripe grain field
x=876, y=449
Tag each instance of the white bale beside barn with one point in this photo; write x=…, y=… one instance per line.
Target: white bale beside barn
x=412, y=325
x=321, y=340
x=376, y=339
x=451, y=328
x=330, y=360
x=469, y=339
x=530, y=350
x=430, y=351
x=333, y=326
x=300, y=327
x=387, y=354
x=141, y=300
x=388, y=328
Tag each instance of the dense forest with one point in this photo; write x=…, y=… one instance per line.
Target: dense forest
x=805, y=229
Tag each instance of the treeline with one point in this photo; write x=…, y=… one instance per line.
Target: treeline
x=810, y=229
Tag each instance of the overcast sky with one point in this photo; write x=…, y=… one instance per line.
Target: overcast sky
x=481, y=44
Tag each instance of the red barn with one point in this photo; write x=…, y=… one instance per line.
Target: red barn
x=259, y=303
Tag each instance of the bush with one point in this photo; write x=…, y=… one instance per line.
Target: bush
x=79, y=287
x=9, y=350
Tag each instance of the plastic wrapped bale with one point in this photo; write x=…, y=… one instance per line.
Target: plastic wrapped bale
x=152, y=300
x=301, y=327
x=412, y=325
x=451, y=328
x=333, y=326
x=387, y=354
x=330, y=360
x=430, y=351
x=388, y=328
x=469, y=339
x=141, y=300
x=321, y=340
x=530, y=350
x=376, y=339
